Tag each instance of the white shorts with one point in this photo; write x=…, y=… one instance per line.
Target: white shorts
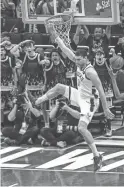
x=87, y=106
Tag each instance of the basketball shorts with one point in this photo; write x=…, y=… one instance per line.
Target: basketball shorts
x=87, y=106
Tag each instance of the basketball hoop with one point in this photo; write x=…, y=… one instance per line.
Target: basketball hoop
x=62, y=26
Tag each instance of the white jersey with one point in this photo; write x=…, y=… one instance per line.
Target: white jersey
x=85, y=87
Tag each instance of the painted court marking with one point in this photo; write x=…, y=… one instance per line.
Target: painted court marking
x=113, y=138
x=113, y=165
x=19, y=154
x=13, y=185
x=14, y=165
x=8, y=149
x=73, y=160
x=108, y=143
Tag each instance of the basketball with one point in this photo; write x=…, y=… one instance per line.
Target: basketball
x=116, y=62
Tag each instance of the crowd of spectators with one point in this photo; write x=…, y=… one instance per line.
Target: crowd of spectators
x=28, y=71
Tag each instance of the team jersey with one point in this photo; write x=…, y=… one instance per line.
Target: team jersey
x=6, y=66
x=85, y=87
x=55, y=74
x=31, y=65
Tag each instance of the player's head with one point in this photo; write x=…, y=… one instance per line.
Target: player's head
x=98, y=33
x=81, y=56
x=2, y=52
x=55, y=57
x=29, y=47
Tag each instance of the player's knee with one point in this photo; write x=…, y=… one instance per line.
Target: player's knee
x=59, y=88
x=82, y=127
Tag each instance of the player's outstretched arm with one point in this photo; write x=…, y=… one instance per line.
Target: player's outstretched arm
x=92, y=75
x=61, y=44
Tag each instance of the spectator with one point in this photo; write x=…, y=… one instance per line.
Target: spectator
x=18, y=9
x=79, y=36
x=119, y=48
x=6, y=41
x=21, y=123
x=39, y=6
x=48, y=7
x=55, y=72
x=97, y=41
x=31, y=65
x=8, y=69
x=8, y=8
x=113, y=76
x=62, y=5
x=19, y=50
x=70, y=5
x=100, y=66
x=57, y=135
x=4, y=108
x=98, y=51
x=122, y=15
x=32, y=7
x=37, y=2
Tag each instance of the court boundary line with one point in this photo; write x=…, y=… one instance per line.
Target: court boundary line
x=44, y=148
x=71, y=171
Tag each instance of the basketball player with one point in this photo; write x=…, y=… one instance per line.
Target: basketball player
x=86, y=97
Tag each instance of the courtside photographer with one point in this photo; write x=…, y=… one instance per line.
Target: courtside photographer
x=63, y=125
x=20, y=124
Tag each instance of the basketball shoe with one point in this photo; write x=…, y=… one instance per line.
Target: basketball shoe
x=97, y=162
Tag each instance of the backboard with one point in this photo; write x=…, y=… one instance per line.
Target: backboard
x=88, y=12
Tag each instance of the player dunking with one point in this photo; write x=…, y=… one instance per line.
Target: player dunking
x=86, y=96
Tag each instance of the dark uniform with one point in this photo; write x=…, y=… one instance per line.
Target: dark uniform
x=32, y=68
x=6, y=69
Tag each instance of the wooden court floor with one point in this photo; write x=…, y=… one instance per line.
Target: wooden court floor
x=71, y=166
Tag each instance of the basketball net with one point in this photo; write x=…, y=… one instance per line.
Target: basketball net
x=62, y=26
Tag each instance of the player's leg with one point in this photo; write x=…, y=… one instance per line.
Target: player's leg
x=85, y=119
x=60, y=89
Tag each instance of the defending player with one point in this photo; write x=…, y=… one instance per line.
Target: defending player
x=86, y=97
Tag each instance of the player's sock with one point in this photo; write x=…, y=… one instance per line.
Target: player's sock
x=94, y=149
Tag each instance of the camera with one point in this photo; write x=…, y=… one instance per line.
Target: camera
x=62, y=102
